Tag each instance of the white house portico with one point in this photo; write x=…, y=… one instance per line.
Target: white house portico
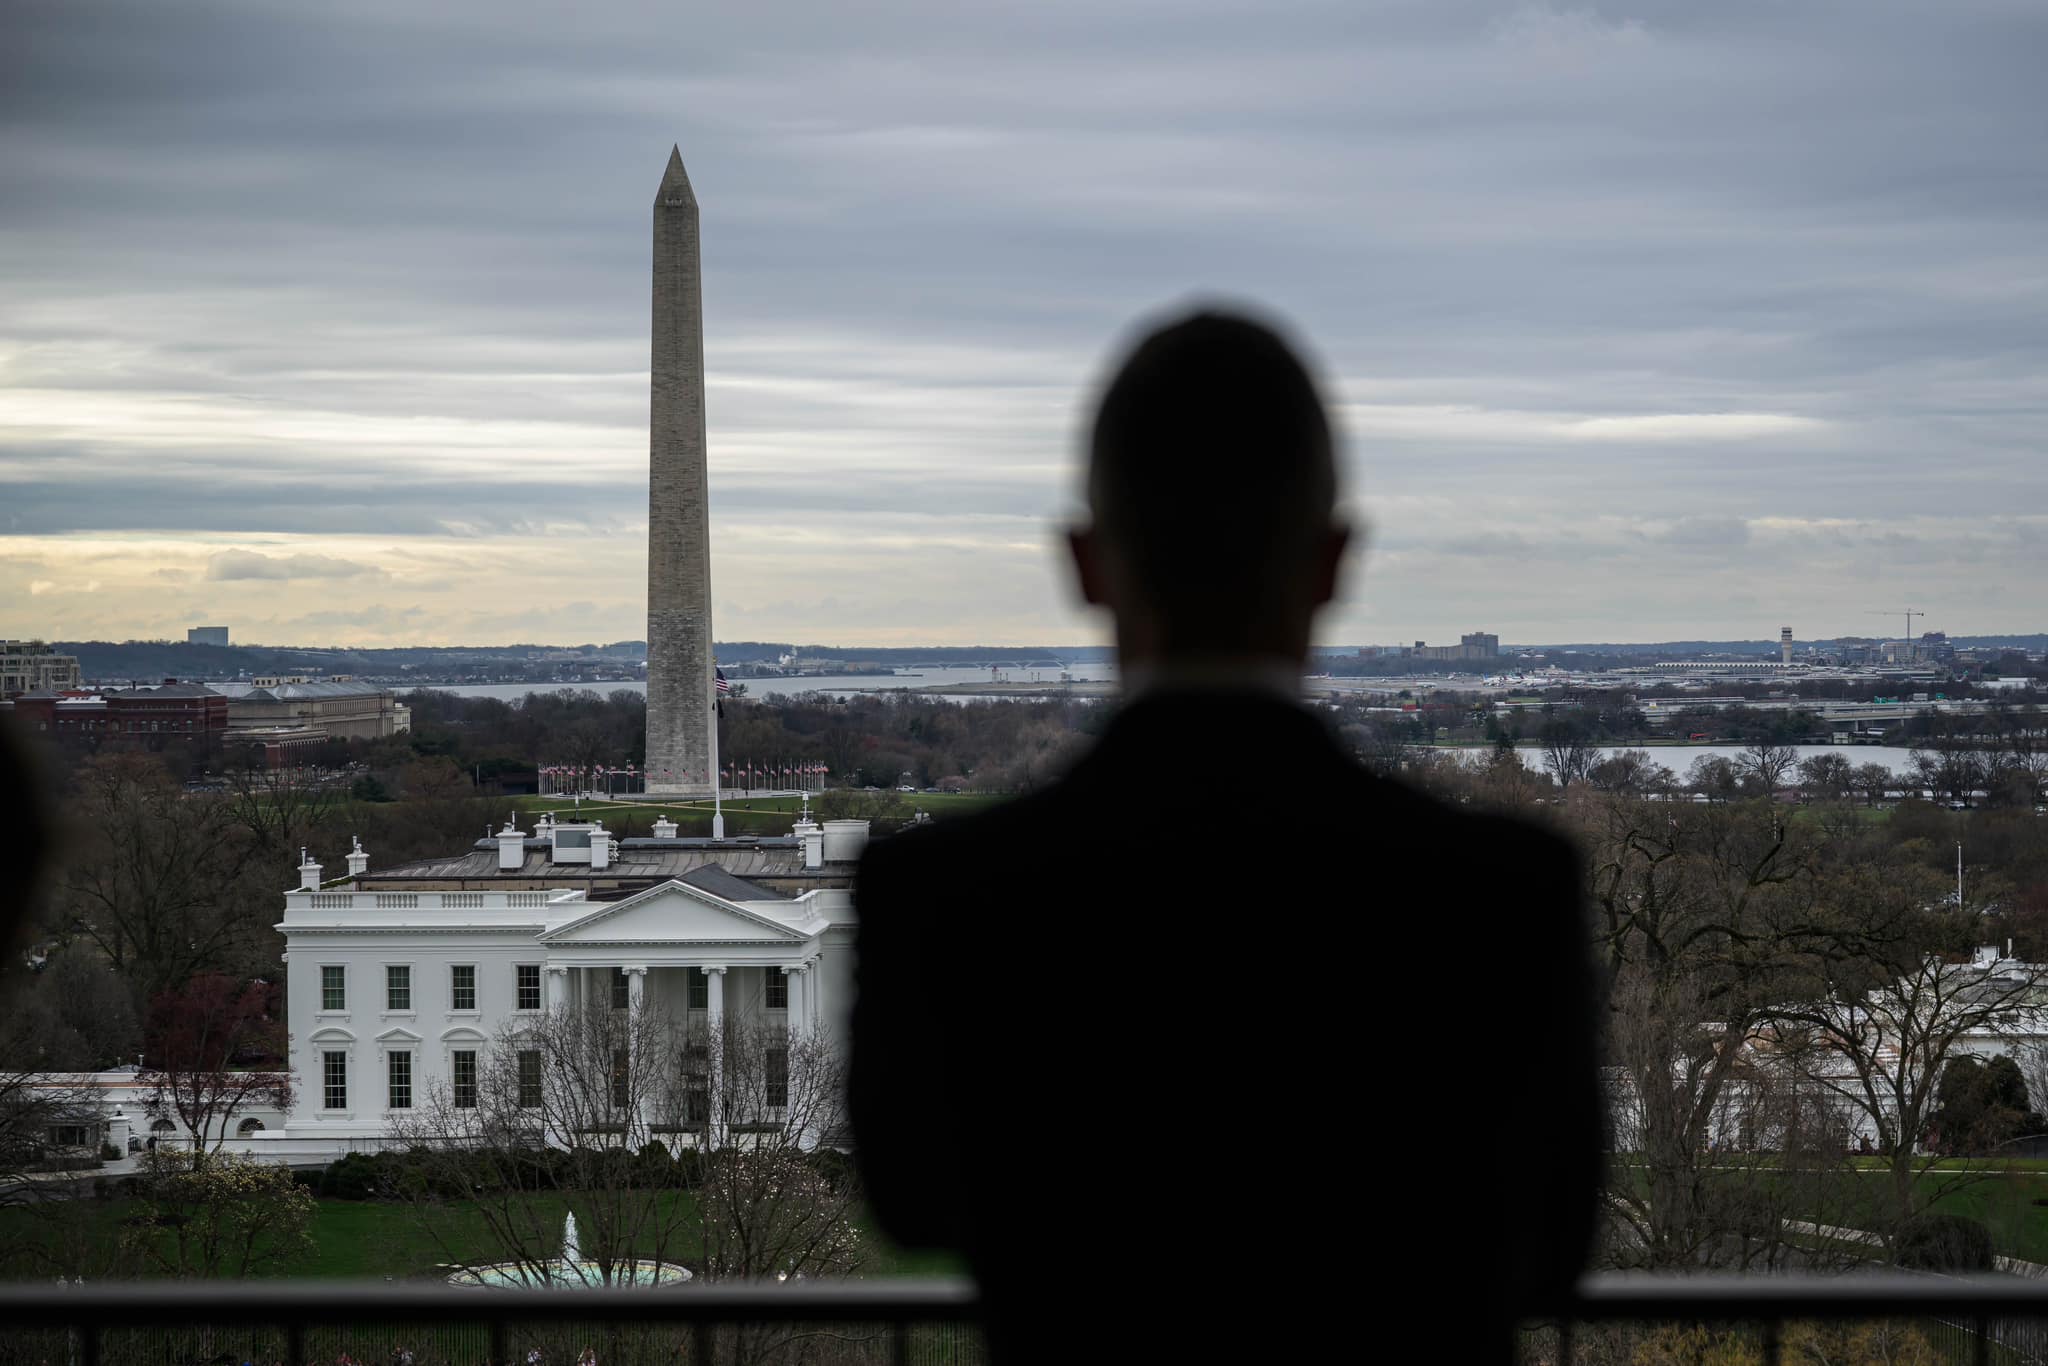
x=397, y=983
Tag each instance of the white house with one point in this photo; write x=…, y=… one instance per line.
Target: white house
x=397, y=981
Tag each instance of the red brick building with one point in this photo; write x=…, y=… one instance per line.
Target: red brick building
x=149, y=716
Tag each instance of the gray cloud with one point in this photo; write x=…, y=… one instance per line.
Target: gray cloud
x=1620, y=285
x=230, y=565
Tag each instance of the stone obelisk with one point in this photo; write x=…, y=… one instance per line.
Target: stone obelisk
x=680, y=679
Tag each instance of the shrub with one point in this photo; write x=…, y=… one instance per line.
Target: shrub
x=837, y=1168
x=357, y=1176
x=1943, y=1242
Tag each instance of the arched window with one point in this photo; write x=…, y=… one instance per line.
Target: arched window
x=249, y=1126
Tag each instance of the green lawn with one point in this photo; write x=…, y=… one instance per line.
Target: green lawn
x=371, y=1239
x=2007, y=1198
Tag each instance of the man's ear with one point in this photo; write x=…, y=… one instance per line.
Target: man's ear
x=1086, y=548
x=1328, y=566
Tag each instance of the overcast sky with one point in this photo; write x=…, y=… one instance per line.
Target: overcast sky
x=1645, y=321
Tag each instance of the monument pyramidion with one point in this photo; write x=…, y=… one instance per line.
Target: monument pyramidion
x=682, y=751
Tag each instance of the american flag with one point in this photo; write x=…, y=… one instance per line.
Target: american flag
x=724, y=688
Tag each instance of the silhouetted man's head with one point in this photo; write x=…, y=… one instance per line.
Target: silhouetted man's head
x=1212, y=485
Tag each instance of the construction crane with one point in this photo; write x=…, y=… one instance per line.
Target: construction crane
x=1907, y=612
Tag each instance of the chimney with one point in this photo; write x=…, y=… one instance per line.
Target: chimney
x=309, y=873
x=844, y=841
x=358, y=860
x=664, y=828
x=511, y=847
x=811, y=837
x=600, y=847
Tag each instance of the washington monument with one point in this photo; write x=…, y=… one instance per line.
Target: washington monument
x=681, y=746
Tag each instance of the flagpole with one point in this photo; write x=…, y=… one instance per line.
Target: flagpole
x=717, y=787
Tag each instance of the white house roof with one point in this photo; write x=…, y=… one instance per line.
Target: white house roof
x=678, y=912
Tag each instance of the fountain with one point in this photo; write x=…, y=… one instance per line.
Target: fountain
x=569, y=1273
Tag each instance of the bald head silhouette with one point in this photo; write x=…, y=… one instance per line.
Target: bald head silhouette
x=1212, y=488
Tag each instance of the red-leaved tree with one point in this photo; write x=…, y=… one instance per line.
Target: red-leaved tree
x=214, y=1048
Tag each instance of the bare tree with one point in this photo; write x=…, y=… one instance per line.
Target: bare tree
x=1704, y=1117
x=673, y=1146
x=1568, y=750
x=152, y=880
x=1949, y=765
x=1881, y=1045
x=214, y=1050
x=1631, y=771
x=2023, y=736
x=278, y=808
x=770, y=1211
x=1825, y=775
x=1509, y=783
x=1710, y=918
x=1714, y=778
x=1873, y=782
x=1381, y=744
x=573, y=1104
x=1767, y=762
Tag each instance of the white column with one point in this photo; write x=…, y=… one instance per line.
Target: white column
x=714, y=1038
x=815, y=997
x=557, y=979
x=636, y=998
x=797, y=978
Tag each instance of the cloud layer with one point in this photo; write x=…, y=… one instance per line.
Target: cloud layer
x=1643, y=320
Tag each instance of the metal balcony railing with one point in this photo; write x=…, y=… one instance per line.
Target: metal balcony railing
x=1986, y=1319
x=303, y=1323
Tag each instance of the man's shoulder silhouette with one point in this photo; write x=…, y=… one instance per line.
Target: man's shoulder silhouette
x=1164, y=937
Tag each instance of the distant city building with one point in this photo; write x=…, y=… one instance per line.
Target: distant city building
x=206, y=635
x=1477, y=645
x=337, y=707
x=30, y=666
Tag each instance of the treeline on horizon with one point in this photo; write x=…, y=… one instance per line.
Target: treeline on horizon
x=152, y=660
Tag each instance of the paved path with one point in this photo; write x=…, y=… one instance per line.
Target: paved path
x=1865, y=1237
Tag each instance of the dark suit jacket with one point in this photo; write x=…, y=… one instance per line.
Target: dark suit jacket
x=1221, y=1018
